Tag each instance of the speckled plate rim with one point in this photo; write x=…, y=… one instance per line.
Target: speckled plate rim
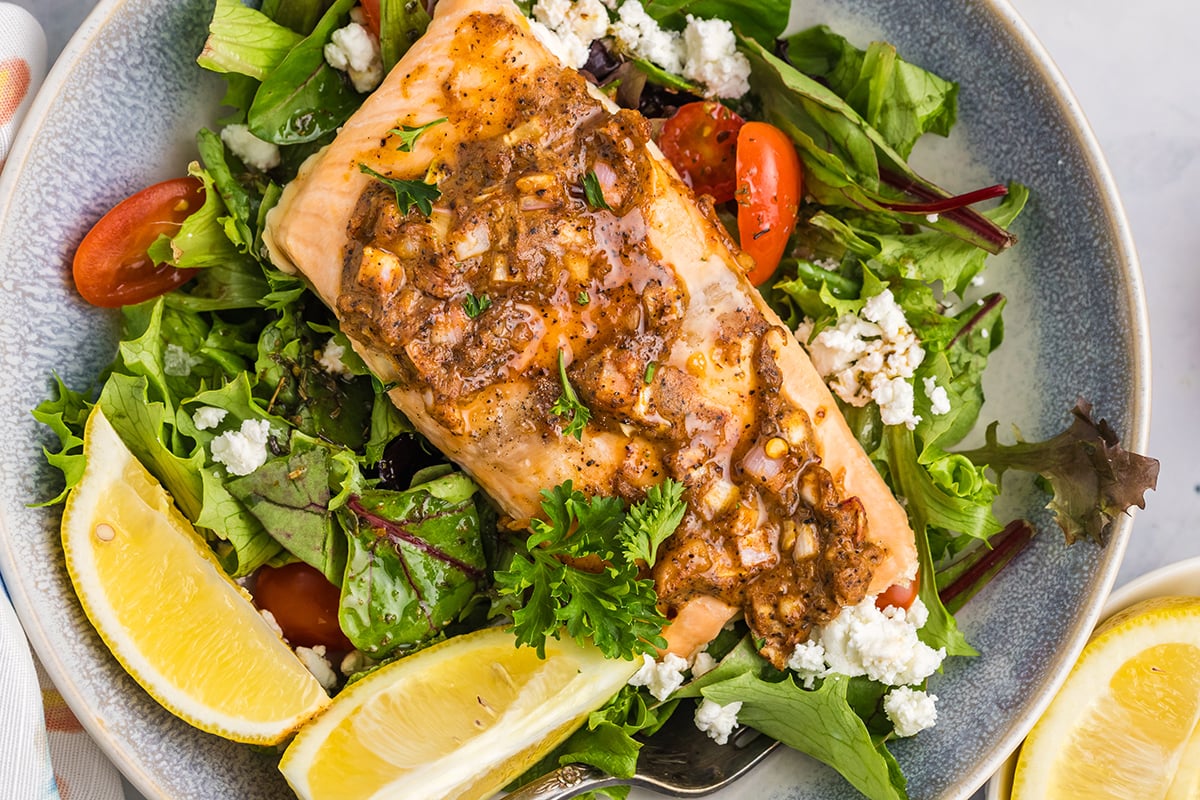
x=64, y=678
x=1180, y=578
x=1136, y=437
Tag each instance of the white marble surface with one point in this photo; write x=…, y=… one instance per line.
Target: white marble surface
x=1133, y=67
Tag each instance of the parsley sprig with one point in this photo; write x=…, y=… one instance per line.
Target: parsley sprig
x=408, y=134
x=408, y=193
x=613, y=607
x=568, y=403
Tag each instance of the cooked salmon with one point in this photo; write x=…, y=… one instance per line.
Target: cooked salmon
x=561, y=257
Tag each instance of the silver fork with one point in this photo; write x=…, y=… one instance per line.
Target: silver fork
x=679, y=761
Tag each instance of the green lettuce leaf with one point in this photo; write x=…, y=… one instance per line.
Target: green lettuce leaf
x=244, y=41
x=898, y=99
x=819, y=722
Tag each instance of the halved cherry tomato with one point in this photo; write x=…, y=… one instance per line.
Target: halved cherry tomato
x=899, y=595
x=371, y=9
x=699, y=141
x=769, y=187
x=304, y=603
x=111, y=267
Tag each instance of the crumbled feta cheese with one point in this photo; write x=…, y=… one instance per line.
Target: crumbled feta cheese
x=808, y=661
x=252, y=150
x=270, y=618
x=354, y=50
x=178, y=362
x=938, y=398
x=637, y=34
x=314, y=659
x=330, y=358
x=870, y=357
x=208, y=417
x=718, y=721
x=931, y=218
x=660, y=677
x=910, y=710
x=977, y=280
x=881, y=644
x=355, y=661
x=244, y=450
x=711, y=58
x=572, y=27
x=703, y=663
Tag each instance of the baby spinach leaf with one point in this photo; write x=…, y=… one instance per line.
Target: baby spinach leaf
x=304, y=98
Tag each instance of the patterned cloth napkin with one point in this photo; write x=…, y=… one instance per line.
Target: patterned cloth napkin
x=44, y=752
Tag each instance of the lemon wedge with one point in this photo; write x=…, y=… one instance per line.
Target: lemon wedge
x=1127, y=715
x=171, y=616
x=458, y=720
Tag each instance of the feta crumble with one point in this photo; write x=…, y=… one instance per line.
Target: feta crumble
x=354, y=50
x=910, y=710
x=314, y=659
x=272, y=622
x=808, y=662
x=330, y=358
x=870, y=357
x=244, y=450
x=572, y=27
x=252, y=150
x=711, y=58
x=702, y=664
x=208, y=417
x=717, y=720
x=661, y=678
x=637, y=34
x=938, y=398
x=881, y=644
x=178, y=362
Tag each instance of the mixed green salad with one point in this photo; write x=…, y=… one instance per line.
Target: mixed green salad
x=407, y=549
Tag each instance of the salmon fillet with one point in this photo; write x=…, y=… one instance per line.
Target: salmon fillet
x=518, y=286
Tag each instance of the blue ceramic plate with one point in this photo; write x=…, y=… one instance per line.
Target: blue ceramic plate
x=119, y=111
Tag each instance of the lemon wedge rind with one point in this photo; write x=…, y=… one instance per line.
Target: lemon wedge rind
x=375, y=741
x=172, y=618
x=1127, y=712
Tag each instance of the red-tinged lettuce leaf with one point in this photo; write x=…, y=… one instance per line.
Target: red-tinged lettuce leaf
x=1092, y=478
x=415, y=562
x=291, y=496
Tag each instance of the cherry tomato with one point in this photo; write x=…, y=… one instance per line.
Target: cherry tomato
x=304, y=603
x=371, y=9
x=769, y=187
x=111, y=267
x=699, y=140
x=899, y=595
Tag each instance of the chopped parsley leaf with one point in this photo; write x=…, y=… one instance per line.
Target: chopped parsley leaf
x=408, y=193
x=568, y=404
x=593, y=192
x=474, y=306
x=408, y=134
